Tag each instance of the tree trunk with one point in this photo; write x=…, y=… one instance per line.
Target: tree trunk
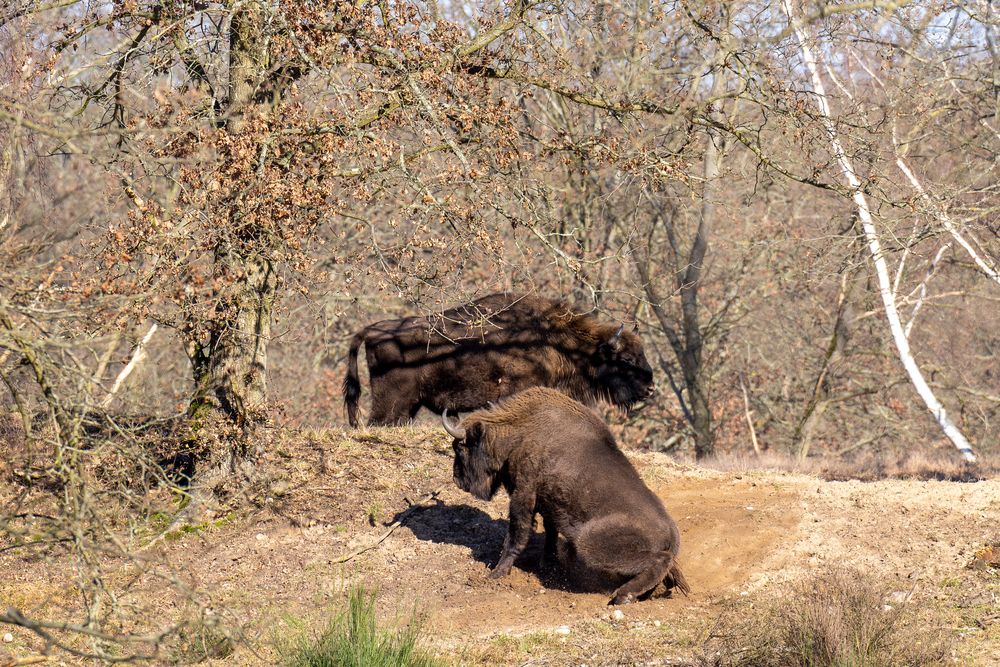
x=688, y=344
x=248, y=61
x=696, y=408
x=818, y=400
x=701, y=413
x=691, y=359
x=231, y=371
x=231, y=375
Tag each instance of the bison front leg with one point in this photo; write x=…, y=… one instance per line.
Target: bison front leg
x=520, y=524
x=550, y=554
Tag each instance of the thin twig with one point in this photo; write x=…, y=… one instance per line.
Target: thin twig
x=423, y=503
x=922, y=290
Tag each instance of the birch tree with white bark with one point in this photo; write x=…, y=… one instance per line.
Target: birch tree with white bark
x=811, y=52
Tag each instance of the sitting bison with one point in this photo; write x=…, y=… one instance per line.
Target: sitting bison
x=555, y=457
x=501, y=344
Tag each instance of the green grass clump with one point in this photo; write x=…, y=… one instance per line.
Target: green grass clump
x=353, y=639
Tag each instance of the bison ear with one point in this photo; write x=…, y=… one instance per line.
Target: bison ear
x=474, y=435
x=615, y=342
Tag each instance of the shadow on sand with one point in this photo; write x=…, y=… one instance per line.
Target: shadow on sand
x=474, y=529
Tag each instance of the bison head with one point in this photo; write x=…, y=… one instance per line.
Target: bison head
x=476, y=470
x=621, y=370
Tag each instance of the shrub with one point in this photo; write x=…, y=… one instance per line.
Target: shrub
x=838, y=619
x=353, y=639
x=198, y=641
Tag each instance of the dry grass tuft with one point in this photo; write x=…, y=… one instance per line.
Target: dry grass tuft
x=866, y=467
x=921, y=465
x=840, y=618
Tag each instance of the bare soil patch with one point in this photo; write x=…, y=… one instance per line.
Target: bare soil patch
x=744, y=535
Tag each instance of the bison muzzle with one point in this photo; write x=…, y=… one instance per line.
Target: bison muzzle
x=555, y=457
x=466, y=357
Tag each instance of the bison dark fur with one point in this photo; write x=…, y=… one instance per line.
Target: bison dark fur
x=491, y=348
x=555, y=457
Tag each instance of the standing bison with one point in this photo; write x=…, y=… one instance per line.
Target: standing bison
x=478, y=353
x=555, y=457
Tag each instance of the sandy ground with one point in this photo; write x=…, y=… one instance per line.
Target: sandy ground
x=744, y=535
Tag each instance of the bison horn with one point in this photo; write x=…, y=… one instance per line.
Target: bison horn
x=453, y=431
x=618, y=334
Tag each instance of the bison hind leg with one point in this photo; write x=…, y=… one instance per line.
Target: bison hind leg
x=675, y=579
x=391, y=415
x=643, y=583
x=394, y=400
x=614, y=544
x=618, y=545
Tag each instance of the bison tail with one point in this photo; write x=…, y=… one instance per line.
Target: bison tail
x=352, y=385
x=680, y=583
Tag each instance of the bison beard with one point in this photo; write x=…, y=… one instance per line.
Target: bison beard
x=489, y=349
x=556, y=458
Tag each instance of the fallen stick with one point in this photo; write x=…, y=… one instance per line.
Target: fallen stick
x=424, y=502
x=748, y=412
x=18, y=662
x=137, y=356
